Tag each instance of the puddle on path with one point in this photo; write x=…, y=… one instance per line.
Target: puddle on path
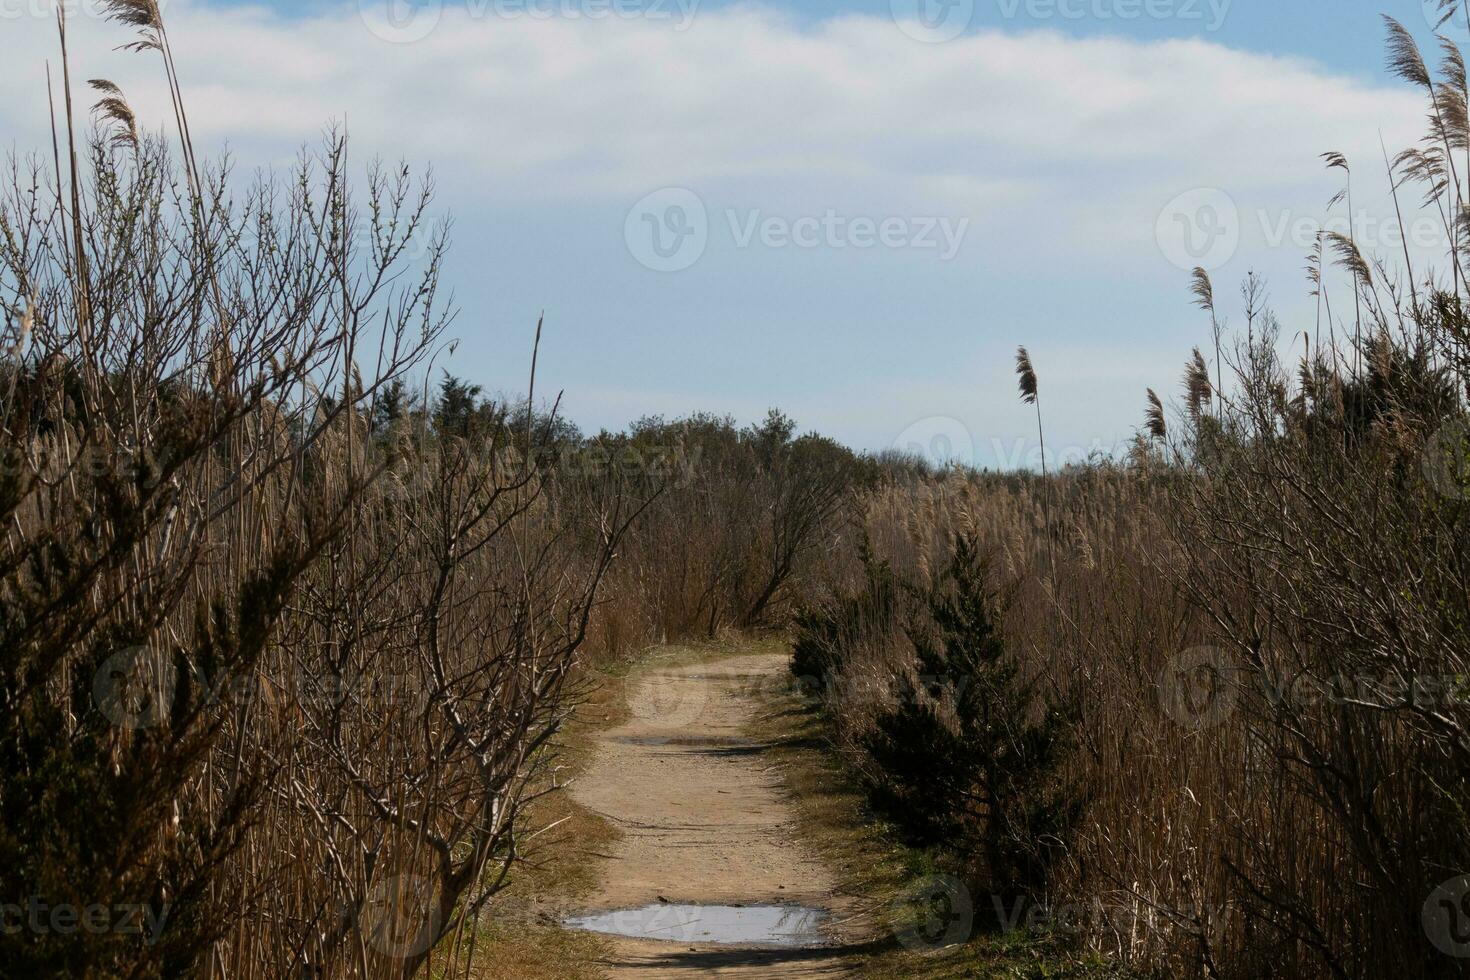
x=751, y=925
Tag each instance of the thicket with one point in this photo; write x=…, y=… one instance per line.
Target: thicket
x=1262, y=618
x=287, y=620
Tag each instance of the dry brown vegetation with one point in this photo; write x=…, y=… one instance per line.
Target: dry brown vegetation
x=287, y=642
x=1256, y=627
x=280, y=668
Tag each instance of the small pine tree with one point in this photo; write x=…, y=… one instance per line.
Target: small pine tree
x=458, y=407
x=392, y=405
x=970, y=757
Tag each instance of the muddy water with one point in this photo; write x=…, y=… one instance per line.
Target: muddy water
x=709, y=871
x=740, y=925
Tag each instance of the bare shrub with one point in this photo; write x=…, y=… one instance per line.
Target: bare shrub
x=280, y=662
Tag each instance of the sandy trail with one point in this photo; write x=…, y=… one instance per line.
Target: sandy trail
x=705, y=821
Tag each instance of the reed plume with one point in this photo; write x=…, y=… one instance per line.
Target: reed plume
x=1203, y=292
x=1197, y=385
x=1404, y=57
x=112, y=108
x=1350, y=258
x=1444, y=9
x=1026, y=376
x=1154, y=416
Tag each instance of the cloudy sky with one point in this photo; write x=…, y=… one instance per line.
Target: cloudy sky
x=851, y=209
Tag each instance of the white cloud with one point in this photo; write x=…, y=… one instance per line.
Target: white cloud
x=577, y=106
x=1060, y=151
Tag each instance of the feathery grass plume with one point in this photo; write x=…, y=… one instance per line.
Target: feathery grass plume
x=1393, y=185
x=1445, y=9
x=1349, y=258
x=1030, y=394
x=1306, y=376
x=142, y=14
x=1450, y=95
x=1203, y=292
x=1404, y=58
x=1336, y=161
x=1406, y=61
x=1319, y=289
x=134, y=13
x=1453, y=65
x=1425, y=166
x=1197, y=385
x=1154, y=416
x=1462, y=221
x=1026, y=375
x=113, y=108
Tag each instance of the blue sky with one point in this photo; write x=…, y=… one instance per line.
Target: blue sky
x=1343, y=34
x=860, y=217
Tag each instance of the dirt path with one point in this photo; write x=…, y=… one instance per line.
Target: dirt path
x=705, y=821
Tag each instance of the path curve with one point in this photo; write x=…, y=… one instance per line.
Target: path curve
x=705, y=820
